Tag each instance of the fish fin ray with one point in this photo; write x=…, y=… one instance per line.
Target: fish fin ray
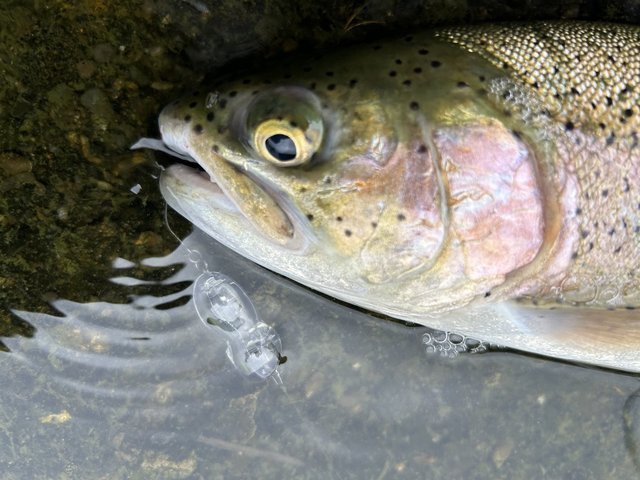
x=606, y=338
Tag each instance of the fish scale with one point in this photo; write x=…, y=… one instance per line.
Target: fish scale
x=587, y=74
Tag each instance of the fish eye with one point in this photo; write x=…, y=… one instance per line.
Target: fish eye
x=281, y=147
x=282, y=126
x=283, y=143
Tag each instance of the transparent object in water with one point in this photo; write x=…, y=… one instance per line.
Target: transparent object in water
x=252, y=346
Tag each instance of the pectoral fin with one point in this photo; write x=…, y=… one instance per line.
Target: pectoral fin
x=606, y=338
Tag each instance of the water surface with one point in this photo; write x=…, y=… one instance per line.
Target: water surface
x=146, y=389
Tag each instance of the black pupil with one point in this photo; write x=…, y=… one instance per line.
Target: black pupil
x=281, y=147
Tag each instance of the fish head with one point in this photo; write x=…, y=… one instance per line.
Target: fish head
x=351, y=185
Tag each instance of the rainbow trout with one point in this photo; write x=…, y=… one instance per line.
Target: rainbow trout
x=481, y=179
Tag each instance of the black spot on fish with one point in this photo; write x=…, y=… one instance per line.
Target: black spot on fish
x=310, y=217
x=575, y=91
x=611, y=232
x=222, y=103
x=215, y=148
x=590, y=246
x=398, y=61
x=407, y=83
x=246, y=81
x=329, y=74
x=628, y=112
x=348, y=232
x=481, y=78
x=414, y=106
x=374, y=224
x=210, y=117
x=312, y=86
x=516, y=134
x=487, y=294
x=462, y=84
x=187, y=118
x=602, y=126
x=423, y=51
x=436, y=63
x=535, y=84
x=393, y=73
x=574, y=255
x=338, y=219
x=617, y=250
x=505, y=65
x=331, y=86
x=377, y=47
x=422, y=149
x=610, y=139
x=293, y=124
x=198, y=129
x=196, y=93
x=327, y=180
x=222, y=129
x=584, y=233
x=232, y=93
x=578, y=211
x=417, y=70
x=569, y=126
x=408, y=38
x=401, y=217
x=605, y=192
x=608, y=101
x=193, y=104
x=353, y=82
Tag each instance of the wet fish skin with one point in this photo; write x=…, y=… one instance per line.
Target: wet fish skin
x=457, y=171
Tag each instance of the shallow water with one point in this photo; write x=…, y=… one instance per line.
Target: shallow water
x=132, y=391
x=112, y=379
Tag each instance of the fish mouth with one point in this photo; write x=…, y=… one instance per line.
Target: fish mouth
x=191, y=186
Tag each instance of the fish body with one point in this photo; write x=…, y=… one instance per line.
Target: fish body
x=481, y=179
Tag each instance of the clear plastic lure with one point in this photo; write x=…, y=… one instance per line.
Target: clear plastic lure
x=252, y=346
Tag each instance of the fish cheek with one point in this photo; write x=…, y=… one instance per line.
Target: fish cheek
x=410, y=230
x=496, y=206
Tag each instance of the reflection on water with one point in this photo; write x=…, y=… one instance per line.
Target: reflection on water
x=145, y=390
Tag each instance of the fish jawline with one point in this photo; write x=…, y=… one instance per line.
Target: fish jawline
x=205, y=179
